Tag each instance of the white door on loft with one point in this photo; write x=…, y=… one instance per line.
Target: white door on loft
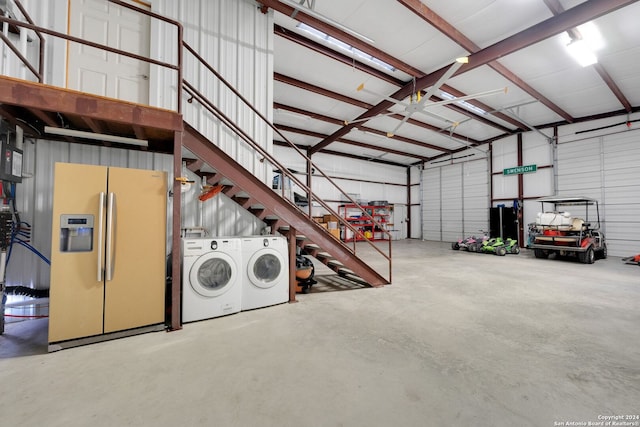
x=105, y=73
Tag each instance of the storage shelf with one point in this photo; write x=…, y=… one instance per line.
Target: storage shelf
x=365, y=222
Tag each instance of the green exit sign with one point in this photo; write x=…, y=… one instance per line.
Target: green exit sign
x=520, y=169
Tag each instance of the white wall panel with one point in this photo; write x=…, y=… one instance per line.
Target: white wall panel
x=236, y=39
x=505, y=187
x=538, y=183
x=505, y=154
x=536, y=150
x=579, y=168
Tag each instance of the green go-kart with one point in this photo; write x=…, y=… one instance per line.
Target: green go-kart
x=495, y=246
x=511, y=245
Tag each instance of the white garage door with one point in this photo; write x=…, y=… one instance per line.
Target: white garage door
x=621, y=157
x=455, y=200
x=431, y=216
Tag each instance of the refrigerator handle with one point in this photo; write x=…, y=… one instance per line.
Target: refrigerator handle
x=100, y=235
x=111, y=231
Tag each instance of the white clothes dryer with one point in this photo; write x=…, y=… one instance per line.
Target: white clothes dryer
x=211, y=277
x=265, y=272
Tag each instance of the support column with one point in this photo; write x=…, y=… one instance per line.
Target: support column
x=520, y=194
x=175, y=237
x=309, y=174
x=408, y=222
x=293, y=246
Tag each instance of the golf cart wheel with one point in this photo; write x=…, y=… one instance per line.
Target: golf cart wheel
x=603, y=252
x=587, y=257
x=515, y=249
x=539, y=253
x=501, y=251
x=455, y=246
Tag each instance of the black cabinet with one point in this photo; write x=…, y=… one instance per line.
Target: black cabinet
x=503, y=222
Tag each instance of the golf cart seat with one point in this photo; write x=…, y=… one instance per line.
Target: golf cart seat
x=578, y=224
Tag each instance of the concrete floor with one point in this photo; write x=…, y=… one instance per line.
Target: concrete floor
x=458, y=339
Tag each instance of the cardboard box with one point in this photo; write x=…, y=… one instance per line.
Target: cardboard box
x=324, y=224
x=318, y=219
x=329, y=218
x=335, y=232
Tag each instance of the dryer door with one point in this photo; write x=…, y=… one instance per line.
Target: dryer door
x=266, y=268
x=213, y=274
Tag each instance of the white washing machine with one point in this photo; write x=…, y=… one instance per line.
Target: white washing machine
x=211, y=277
x=265, y=272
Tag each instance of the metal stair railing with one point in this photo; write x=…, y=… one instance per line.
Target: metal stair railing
x=195, y=94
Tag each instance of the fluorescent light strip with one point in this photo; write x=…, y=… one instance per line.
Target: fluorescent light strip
x=345, y=46
x=326, y=20
x=465, y=104
x=95, y=136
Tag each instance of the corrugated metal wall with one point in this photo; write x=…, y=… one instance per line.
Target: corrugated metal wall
x=236, y=39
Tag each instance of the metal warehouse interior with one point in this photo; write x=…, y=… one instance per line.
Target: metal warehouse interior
x=329, y=212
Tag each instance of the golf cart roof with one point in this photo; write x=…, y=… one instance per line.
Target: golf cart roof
x=564, y=200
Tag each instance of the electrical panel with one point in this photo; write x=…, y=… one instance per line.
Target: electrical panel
x=10, y=159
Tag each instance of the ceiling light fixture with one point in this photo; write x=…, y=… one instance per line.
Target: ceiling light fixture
x=284, y=112
x=465, y=104
x=344, y=46
x=298, y=7
x=581, y=52
x=376, y=135
x=95, y=136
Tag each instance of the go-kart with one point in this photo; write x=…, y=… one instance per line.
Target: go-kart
x=495, y=246
x=471, y=243
x=511, y=245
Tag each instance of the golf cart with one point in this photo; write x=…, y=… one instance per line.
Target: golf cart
x=568, y=226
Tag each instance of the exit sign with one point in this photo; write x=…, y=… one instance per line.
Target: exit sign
x=520, y=169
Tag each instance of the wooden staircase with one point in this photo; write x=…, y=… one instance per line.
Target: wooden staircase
x=282, y=215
